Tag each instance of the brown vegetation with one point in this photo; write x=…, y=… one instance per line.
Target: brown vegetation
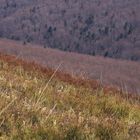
x=65, y=77
x=123, y=74
x=32, y=66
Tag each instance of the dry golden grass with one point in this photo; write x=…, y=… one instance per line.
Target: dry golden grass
x=34, y=106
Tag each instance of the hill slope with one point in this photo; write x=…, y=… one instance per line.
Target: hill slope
x=110, y=28
x=41, y=106
x=123, y=74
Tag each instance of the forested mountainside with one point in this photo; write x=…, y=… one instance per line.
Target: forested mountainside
x=110, y=28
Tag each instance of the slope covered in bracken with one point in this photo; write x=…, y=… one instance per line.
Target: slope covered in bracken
x=123, y=74
x=38, y=103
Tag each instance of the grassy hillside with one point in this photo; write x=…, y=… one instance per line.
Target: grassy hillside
x=40, y=106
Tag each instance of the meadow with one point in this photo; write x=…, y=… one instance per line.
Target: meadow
x=40, y=104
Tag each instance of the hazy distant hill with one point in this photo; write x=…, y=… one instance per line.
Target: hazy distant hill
x=98, y=27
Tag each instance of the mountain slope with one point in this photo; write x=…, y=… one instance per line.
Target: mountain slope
x=39, y=106
x=123, y=74
x=110, y=28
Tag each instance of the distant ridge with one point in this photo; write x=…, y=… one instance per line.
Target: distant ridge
x=110, y=28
